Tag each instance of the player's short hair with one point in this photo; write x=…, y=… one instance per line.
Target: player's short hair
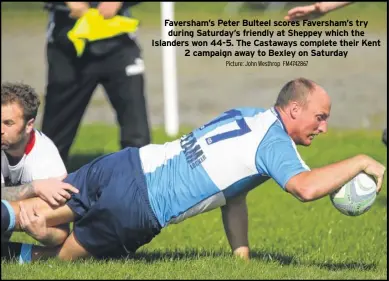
x=24, y=95
x=295, y=90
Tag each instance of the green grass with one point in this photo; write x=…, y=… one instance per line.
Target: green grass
x=289, y=239
x=14, y=14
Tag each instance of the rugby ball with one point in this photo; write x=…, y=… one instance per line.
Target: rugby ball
x=356, y=196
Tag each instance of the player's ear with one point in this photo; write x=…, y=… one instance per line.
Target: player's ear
x=30, y=125
x=294, y=110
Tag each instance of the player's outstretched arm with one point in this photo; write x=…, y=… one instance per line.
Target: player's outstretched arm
x=235, y=221
x=319, y=182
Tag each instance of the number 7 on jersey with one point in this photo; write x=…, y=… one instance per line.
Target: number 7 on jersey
x=243, y=127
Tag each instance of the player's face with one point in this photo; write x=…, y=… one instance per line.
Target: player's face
x=14, y=130
x=313, y=118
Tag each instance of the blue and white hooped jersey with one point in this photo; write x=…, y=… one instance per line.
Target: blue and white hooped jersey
x=232, y=154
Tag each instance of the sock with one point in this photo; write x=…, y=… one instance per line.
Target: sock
x=10, y=250
x=25, y=253
x=7, y=217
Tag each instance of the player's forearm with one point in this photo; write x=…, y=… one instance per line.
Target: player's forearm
x=326, y=7
x=235, y=221
x=55, y=235
x=20, y=192
x=319, y=182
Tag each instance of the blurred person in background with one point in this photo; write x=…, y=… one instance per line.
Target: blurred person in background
x=28, y=155
x=115, y=63
x=318, y=10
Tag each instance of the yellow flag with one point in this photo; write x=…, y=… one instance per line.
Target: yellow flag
x=92, y=27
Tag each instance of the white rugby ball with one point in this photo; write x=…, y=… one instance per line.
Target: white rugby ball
x=356, y=196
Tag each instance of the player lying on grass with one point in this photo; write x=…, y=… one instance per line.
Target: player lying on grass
x=126, y=198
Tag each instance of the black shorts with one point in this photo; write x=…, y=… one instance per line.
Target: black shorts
x=113, y=212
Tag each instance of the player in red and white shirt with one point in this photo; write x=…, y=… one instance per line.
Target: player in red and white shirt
x=40, y=160
x=27, y=155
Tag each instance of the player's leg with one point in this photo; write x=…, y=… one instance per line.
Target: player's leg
x=74, y=208
x=124, y=85
x=10, y=215
x=69, y=251
x=121, y=220
x=54, y=216
x=72, y=249
x=68, y=92
x=24, y=253
x=92, y=229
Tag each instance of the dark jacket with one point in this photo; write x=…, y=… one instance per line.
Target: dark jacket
x=60, y=23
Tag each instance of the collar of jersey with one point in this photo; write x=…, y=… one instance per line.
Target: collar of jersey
x=30, y=143
x=277, y=114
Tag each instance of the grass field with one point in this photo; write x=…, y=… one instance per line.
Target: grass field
x=289, y=239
